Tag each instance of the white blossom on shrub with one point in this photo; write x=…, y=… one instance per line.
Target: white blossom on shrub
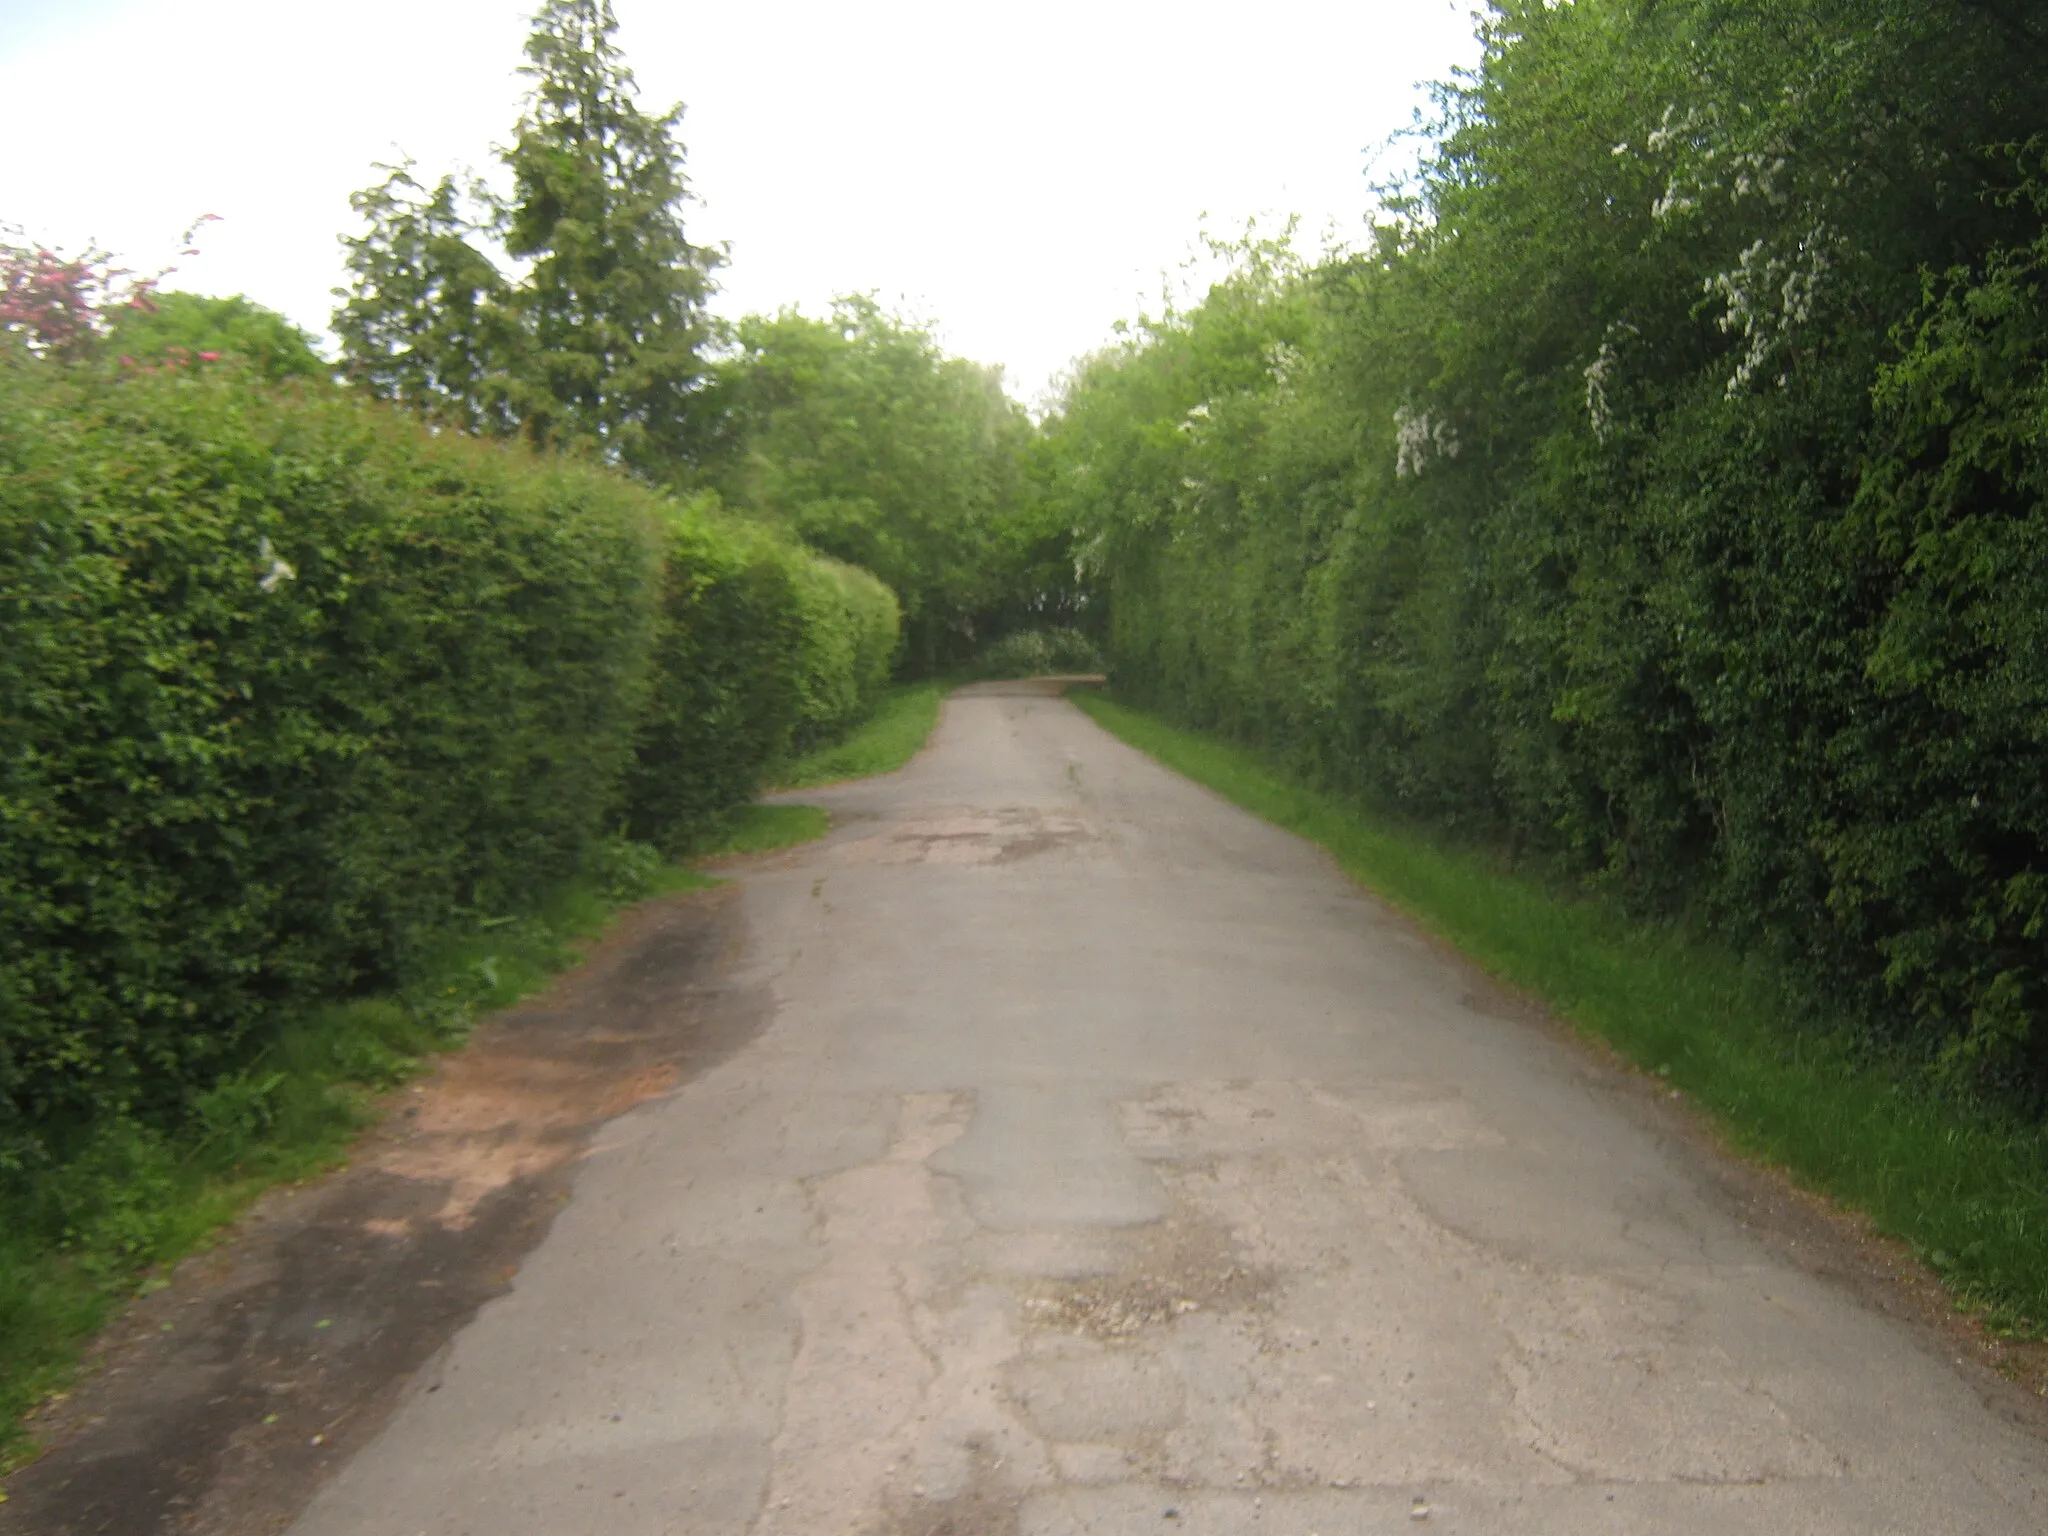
x=1673, y=202
x=1283, y=361
x=1765, y=297
x=276, y=571
x=1416, y=438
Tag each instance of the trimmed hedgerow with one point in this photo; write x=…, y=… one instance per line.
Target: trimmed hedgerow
x=850, y=640
x=763, y=648
x=294, y=686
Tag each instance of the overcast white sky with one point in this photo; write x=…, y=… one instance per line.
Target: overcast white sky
x=1021, y=175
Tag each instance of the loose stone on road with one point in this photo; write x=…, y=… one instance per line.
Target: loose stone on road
x=1108, y=1164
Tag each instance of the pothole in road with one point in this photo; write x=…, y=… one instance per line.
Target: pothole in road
x=1177, y=1267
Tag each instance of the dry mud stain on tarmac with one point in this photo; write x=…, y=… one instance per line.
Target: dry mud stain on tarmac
x=219, y=1404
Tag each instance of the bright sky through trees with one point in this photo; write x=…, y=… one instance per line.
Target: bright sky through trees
x=1019, y=174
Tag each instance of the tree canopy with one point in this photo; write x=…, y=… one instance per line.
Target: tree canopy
x=863, y=437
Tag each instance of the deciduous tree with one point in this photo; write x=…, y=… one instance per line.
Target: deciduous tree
x=863, y=437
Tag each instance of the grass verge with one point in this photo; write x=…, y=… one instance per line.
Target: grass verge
x=123, y=1201
x=1966, y=1190
x=884, y=742
x=764, y=828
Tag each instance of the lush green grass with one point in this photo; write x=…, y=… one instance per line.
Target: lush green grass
x=884, y=742
x=764, y=828
x=1967, y=1191
x=125, y=1201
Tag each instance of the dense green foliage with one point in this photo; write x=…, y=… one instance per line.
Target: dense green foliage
x=288, y=681
x=191, y=326
x=596, y=341
x=1660, y=495
x=764, y=650
x=1969, y=1191
x=862, y=437
x=858, y=434
x=892, y=734
x=296, y=687
x=1058, y=652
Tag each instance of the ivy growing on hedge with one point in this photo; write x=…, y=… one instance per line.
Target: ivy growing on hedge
x=293, y=684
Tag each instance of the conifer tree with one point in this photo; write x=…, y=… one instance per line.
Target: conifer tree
x=614, y=306
x=430, y=321
x=597, y=344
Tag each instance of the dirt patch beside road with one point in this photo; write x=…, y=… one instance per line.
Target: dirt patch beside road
x=219, y=1404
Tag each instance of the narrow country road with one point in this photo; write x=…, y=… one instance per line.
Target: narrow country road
x=1109, y=1164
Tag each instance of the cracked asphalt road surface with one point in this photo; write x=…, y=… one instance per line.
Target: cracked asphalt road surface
x=1107, y=1164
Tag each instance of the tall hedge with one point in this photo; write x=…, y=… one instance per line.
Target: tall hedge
x=762, y=648
x=293, y=685
x=1666, y=498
